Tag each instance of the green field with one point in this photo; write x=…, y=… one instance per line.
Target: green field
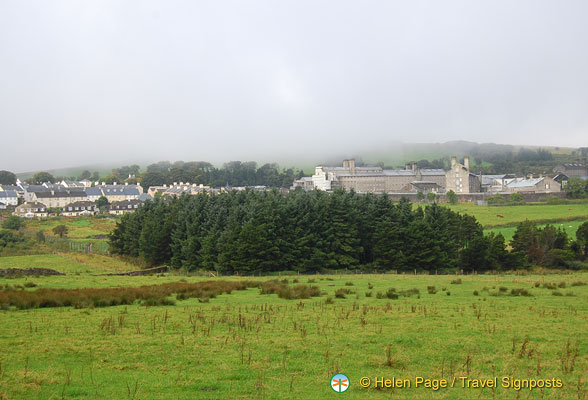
x=491, y=217
x=246, y=345
x=79, y=228
x=569, y=226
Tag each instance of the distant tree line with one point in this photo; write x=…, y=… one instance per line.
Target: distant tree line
x=576, y=188
x=234, y=173
x=261, y=232
x=550, y=246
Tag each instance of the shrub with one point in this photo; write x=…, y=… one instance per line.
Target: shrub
x=368, y=294
x=476, y=293
x=431, y=289
x=520, y=292
x=456, y=281
x=557, y=293
x=348, y=283
x=13, y=223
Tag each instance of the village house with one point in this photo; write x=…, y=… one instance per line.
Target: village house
x=123, y=207
x=31, y=210
x=9, y=198
x=79, y=208
x=116, y=192
x=93, y=193
x=59, y=199
x=13, y=188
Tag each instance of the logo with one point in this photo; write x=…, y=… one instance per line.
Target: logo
x=339, y=383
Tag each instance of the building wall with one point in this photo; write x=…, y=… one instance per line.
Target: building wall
x=363, y=184
x=459, y=179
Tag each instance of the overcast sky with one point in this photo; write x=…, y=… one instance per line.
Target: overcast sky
x=84, y=82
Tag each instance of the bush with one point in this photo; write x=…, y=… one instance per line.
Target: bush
x=456, y=281
x=431, y=289
x=13, y=222
x=520, y=292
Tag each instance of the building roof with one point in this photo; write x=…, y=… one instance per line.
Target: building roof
x=400, y=172
x=36, y=188
x=60, y=195
x=124, y=204
x=145, y=197
x=433, y=171
x=8, y=194
x=519, y=183
x=14, y=188
x=81, y=204
x=93, y=191
x=32, y=204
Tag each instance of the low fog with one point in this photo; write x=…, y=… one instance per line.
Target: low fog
x=86, y=82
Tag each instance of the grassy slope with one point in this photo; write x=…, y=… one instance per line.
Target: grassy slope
x=570, y=227
x=68, y=263
x=488, y=216
x=245, y=345
x=78, y=227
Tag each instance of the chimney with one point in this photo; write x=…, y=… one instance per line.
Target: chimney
x=466, y=162
x=352, y=166
x=413, y=166
x=407, y=166
x=453, y=161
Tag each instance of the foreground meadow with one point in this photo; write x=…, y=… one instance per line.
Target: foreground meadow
x=247, y=345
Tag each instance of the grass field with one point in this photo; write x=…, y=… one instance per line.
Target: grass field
x=246, y=345
x=79, y=228
x=569, y=226
x=491, y=217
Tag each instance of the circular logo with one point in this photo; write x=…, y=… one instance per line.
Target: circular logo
x=339, y=383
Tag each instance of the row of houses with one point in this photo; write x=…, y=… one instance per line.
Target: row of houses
x=58, y=195
x=459, y=178
x=75, y=209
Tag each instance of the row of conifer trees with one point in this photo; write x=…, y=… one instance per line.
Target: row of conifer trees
x=254, y=232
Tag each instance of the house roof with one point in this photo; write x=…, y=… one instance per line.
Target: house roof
x=145, y=197
x=14, y=188
x=81, y=204
x=60, y=195
x=8, y=194
x=93, y=191
x=37, y=188
x=519, y=183
x=32, y=204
